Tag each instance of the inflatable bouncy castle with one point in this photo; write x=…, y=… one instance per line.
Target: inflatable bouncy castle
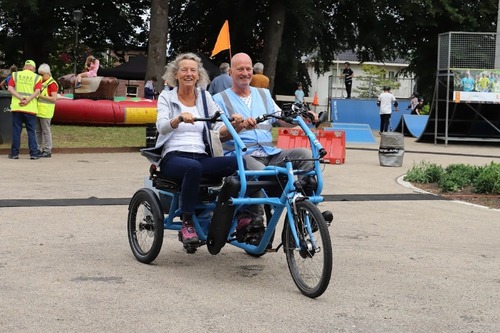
x=95, y=104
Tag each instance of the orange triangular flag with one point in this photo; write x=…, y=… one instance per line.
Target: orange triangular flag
x=315, y=99
x=223, y=42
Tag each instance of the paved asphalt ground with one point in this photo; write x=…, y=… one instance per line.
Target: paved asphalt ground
x=403, y=261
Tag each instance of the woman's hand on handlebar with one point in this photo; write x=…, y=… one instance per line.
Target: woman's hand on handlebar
x=187, y=117
x=184, y=117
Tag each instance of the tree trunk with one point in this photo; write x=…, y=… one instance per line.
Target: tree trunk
x=37, y=41
x=272, y=39
x=157, y=46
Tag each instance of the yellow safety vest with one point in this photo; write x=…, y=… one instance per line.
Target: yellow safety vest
x=25, y=82
x=46, y=108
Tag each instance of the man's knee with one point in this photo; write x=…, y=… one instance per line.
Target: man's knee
x=303, y=153
x=252, y=163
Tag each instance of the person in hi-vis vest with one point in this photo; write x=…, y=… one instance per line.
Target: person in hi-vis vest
x=46, y=107
x=24, y=86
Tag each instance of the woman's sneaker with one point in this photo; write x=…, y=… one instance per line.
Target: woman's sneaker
x=188, y=234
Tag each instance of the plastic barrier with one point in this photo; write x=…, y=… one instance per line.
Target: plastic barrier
x=332, y=141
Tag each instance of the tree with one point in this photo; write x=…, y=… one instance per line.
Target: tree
x=157, y=45
x=376, y=30
x=373, y=82
x=419, y=23
x=273, y=36
x=43, y=30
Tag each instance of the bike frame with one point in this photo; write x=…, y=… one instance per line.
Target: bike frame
x=289, y=195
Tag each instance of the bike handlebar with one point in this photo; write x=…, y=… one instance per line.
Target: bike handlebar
x=216, y=117
x=295, y=116
x=297, y=109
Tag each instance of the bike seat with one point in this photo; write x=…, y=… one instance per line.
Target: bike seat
x=162, y=182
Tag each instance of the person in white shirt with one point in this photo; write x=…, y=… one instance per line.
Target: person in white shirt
x=385, y=102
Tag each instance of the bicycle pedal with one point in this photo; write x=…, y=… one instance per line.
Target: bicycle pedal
x=190, y=248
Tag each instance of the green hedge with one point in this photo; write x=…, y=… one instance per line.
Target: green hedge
x=483, y=179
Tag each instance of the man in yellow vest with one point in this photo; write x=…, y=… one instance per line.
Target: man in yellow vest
x=46, y=107
x=24, y=86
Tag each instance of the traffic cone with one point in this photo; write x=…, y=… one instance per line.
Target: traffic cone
x=315, y=100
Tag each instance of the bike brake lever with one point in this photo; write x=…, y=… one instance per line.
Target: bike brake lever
x=260, y=119
x=215, y=117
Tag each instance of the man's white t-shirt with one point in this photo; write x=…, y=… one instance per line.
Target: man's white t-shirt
x=386, y=100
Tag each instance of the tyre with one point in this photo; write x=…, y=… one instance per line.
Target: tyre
x=310, y=267
x=145, y=225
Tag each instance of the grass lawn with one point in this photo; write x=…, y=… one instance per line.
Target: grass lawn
x=68, y=136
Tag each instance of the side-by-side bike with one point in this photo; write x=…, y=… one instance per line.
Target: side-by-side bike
x=282, y=190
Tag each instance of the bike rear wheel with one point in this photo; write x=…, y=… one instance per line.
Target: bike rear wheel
x=145, y=225
x=309, y=265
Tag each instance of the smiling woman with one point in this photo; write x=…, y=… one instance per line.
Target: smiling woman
x=185, y=144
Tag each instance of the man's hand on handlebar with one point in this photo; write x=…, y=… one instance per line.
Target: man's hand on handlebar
x=237, y=120
x=310, y=117
x=249, y=123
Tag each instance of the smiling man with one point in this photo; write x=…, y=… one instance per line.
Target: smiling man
x=251, y=102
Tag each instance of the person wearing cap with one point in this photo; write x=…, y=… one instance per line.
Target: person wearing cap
x=46, y=106
x=385, y=101
x=25, y=87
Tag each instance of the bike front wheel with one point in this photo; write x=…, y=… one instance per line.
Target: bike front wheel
x=310, y=262
x=145, y=225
